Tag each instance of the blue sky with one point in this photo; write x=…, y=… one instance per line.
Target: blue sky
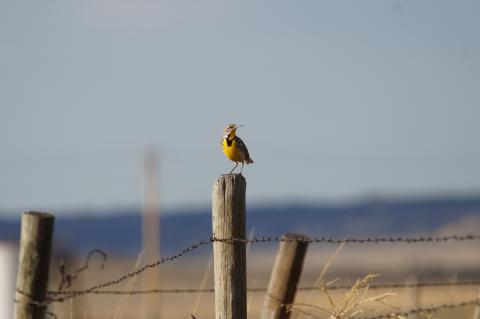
x=340, y=99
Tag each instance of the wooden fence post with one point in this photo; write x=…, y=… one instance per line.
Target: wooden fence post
x=285, y=275
x=34, y=261
x=228, y=220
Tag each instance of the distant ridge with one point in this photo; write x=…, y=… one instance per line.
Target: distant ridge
x=121, y=233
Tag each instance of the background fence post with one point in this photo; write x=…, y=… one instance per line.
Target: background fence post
x=228, y=220
x=34, y=261
x=285, y=275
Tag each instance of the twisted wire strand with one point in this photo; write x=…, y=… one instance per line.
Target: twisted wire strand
x=264, y=289
x=29, y=300
x=377, y=240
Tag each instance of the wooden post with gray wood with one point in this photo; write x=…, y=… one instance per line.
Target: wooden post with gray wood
x=34, y=261
x=228, y=221
x=285, y=276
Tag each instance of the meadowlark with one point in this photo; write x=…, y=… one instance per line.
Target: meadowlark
x=234, y=148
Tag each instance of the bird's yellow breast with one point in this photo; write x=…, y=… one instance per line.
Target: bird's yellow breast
x=231, y=151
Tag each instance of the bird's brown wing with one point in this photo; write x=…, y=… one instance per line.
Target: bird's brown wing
x=243, y=148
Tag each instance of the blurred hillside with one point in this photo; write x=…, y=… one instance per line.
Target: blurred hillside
x=119, y=231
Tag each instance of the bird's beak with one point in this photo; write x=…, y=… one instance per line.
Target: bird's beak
x=237, y=126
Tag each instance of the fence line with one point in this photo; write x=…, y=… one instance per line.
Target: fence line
x=376, y=240
x=60, y=296
x=264, y=289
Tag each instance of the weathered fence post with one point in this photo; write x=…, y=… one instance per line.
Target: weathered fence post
x=285, y=275
x=228, y=220
x=34, y=261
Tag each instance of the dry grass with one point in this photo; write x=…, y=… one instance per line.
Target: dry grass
x=352, y=303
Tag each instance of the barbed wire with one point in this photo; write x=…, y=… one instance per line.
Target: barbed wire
x=375, y=240
x=409, y=240
x=474, y=302
x=264, y=289
x=130, y=274
x=67, y=278
x=29, y=300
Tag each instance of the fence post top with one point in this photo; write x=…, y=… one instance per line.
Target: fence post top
x=38, y=214
x=230, y=179
x=231, y=176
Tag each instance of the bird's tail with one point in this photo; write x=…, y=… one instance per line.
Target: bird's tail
x=249, y=161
